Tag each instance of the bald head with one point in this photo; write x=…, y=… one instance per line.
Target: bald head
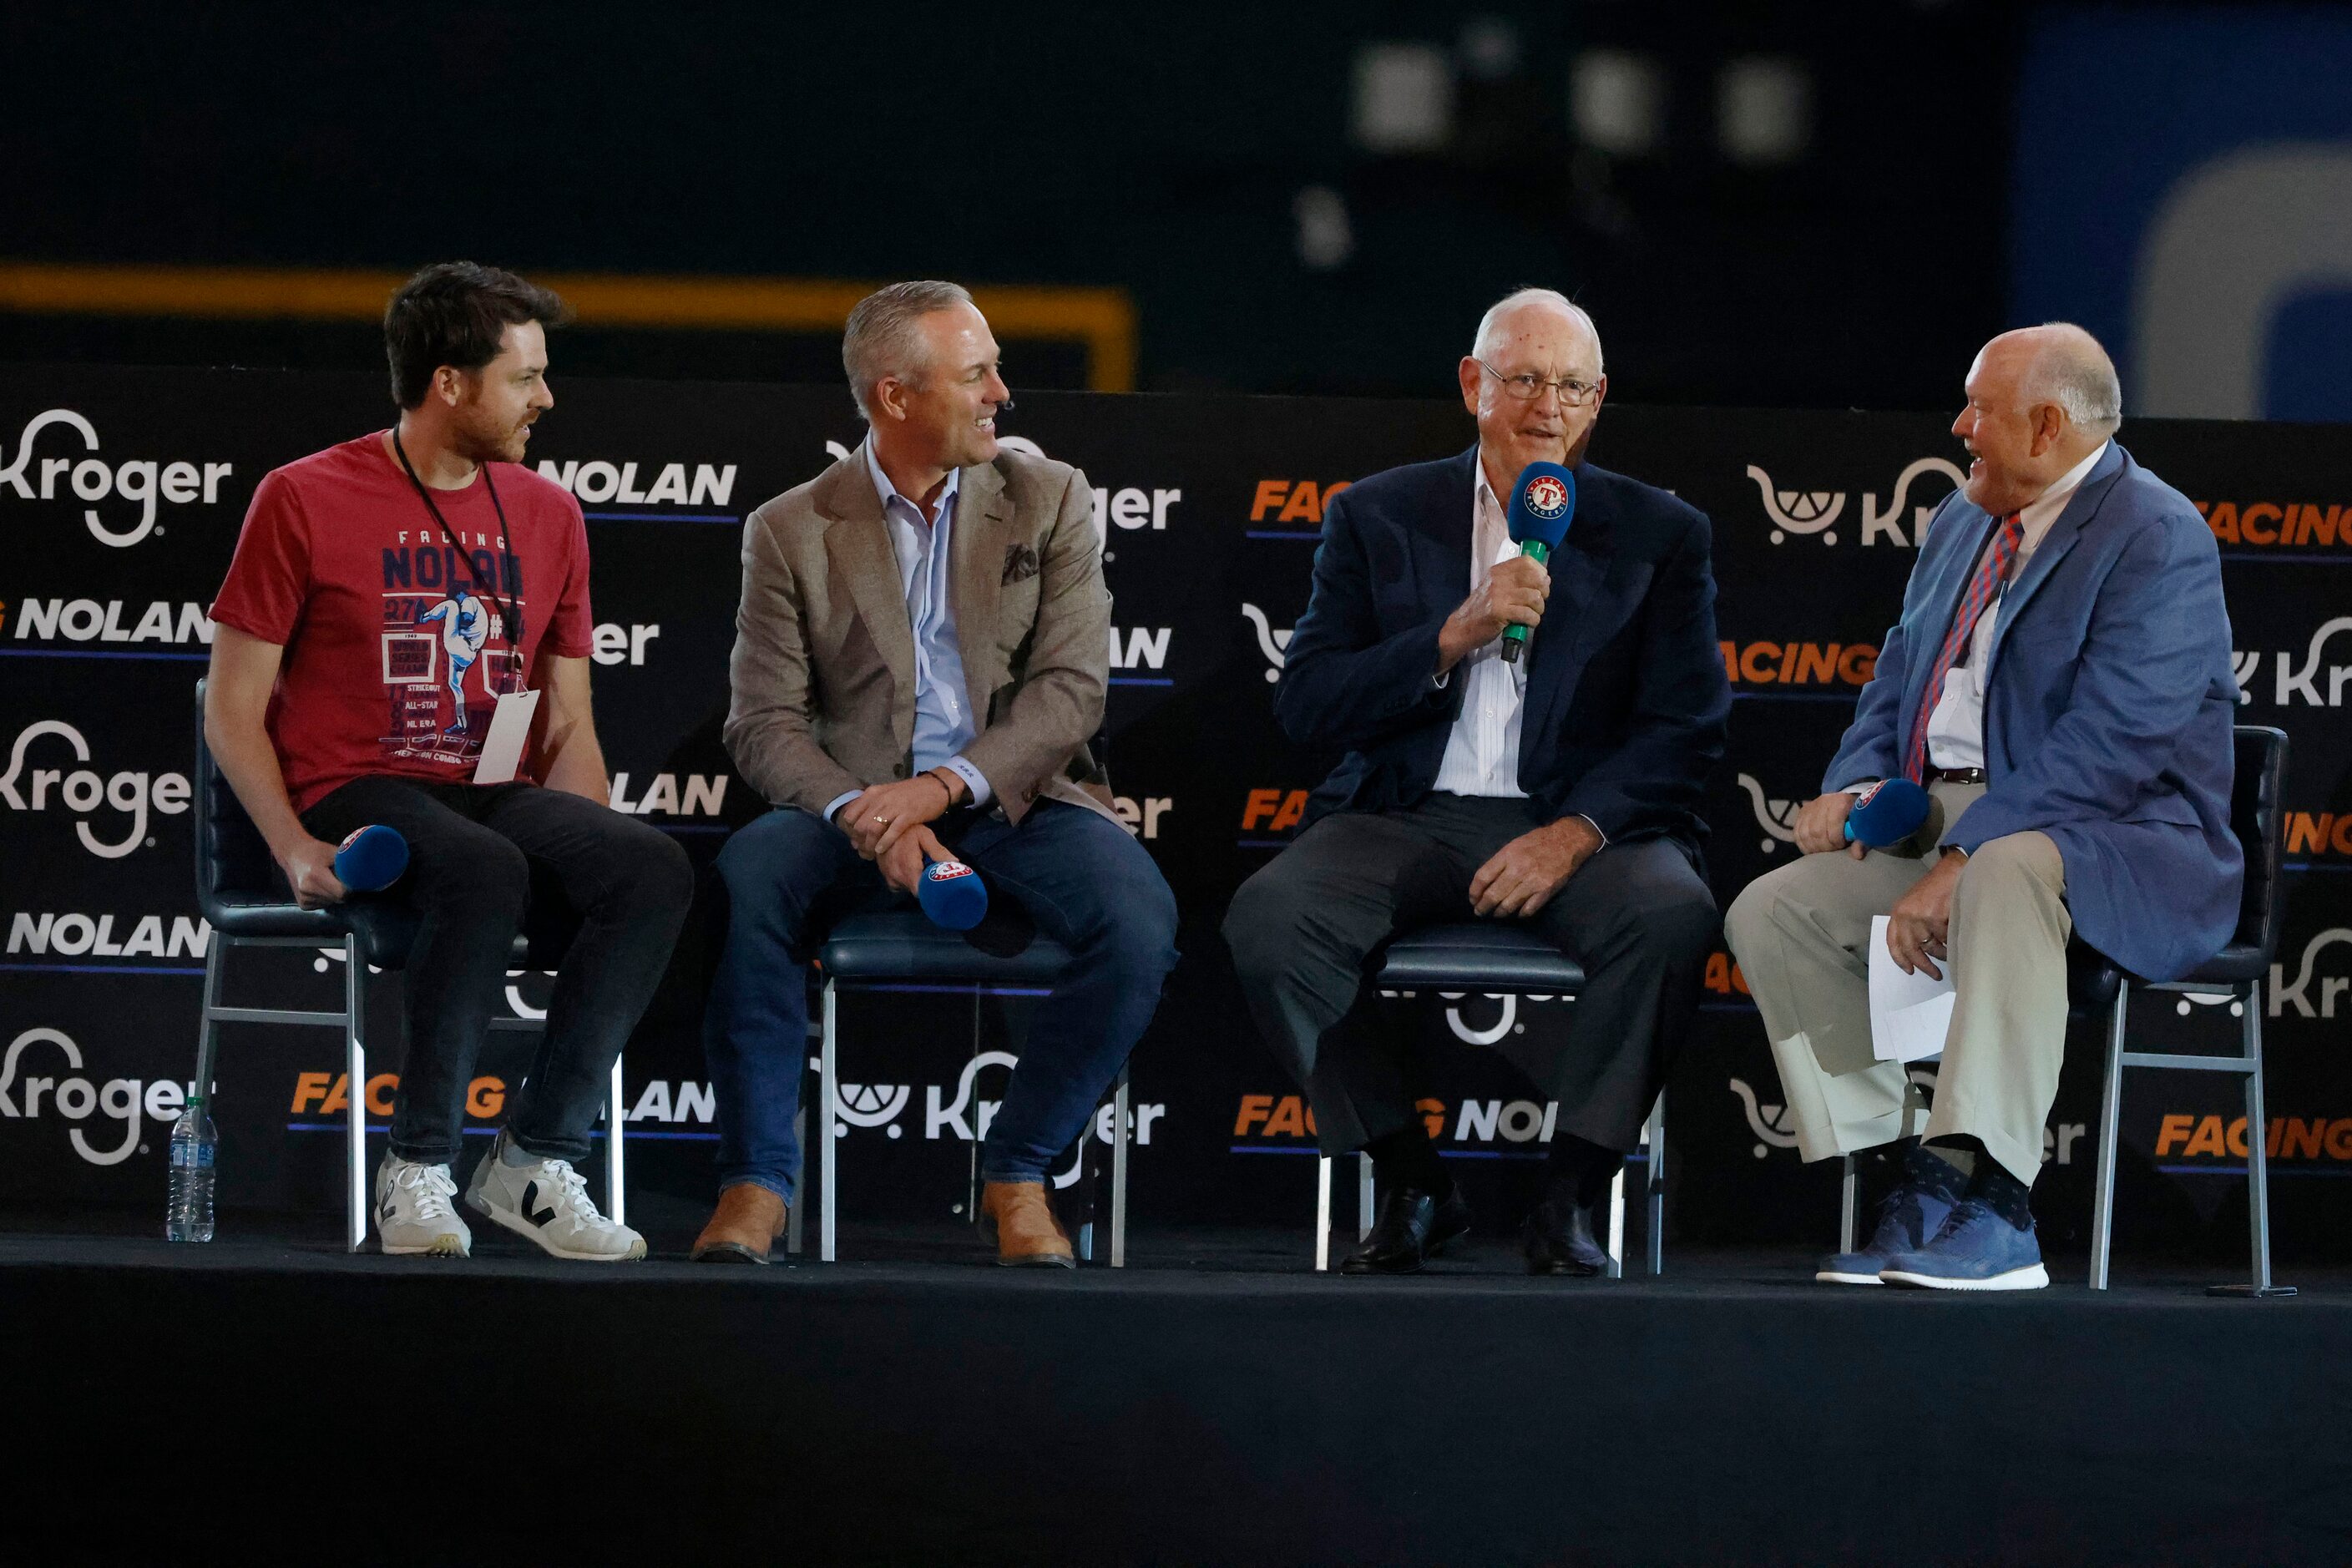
x=1532, y=311
x=2060, y=363
x=2041, y=399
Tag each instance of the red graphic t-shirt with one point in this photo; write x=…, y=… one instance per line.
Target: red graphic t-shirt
x=396, y=644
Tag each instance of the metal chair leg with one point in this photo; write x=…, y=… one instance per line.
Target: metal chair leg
x=2111, y=1102
x=1118, y=1136
x=1656, y=1138
x=207, y=1027
x=356, y=1195
x=1322, y=1213
x=794, y=1218
x=828, y=1110
x=1849, y=1202
x=2258, y=1195
x=617, y=1112
x=1617, y=1223
x=1363, y=1194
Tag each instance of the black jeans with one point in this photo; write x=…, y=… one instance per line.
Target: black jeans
x=472, y=853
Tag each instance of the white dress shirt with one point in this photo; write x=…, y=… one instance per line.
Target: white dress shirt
x=1482, y=753
x=1955, y=727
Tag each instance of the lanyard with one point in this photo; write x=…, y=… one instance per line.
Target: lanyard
x=511, y=607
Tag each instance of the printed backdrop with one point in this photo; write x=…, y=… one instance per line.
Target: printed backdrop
x=122, y=491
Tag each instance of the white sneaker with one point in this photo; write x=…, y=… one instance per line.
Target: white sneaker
x=547, y=1201
x=413, y=1213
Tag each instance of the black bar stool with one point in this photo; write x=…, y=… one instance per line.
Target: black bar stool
x=901, y=947
x=244, y=897
x=2257, y=790
x=1497, y=958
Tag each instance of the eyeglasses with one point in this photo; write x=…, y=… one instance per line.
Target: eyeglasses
x=1527, y=387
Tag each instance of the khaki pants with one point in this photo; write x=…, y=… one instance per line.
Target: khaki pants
x=1801, y=935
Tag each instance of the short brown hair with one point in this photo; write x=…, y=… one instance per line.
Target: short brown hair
x=456, y=313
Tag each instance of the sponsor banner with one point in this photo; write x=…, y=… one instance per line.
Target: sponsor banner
x=121, y=492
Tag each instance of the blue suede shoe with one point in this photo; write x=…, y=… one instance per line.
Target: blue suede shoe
x=1911, y=1214
x=1976, y=1251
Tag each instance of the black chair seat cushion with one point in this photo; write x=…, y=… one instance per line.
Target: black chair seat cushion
x=903, y=944
x=2091, y=982
x=386, y=931
x=1475, y=955
x=234, y=916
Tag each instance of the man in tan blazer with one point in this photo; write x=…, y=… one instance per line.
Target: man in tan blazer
x=920, y=657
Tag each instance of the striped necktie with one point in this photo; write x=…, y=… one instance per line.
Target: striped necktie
x=1992, y=569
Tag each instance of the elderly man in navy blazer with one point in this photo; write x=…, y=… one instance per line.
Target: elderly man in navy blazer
x=1560, y=791
x=2059, y=681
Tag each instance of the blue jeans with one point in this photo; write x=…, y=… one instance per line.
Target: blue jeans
x=790, y=876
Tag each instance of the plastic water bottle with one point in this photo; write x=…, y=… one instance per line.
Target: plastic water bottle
x=189, y=1216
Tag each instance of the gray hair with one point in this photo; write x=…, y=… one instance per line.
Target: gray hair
x=2075, y=372
x=880, y=340
x=1518, y=297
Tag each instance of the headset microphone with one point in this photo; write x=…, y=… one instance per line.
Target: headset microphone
x=1543, y=502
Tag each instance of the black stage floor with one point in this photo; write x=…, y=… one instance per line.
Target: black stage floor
x=1213, y=1403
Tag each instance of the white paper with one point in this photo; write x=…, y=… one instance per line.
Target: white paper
x=509, y=734
x=1909, y=1013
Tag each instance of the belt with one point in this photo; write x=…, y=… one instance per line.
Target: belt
x=1956, y=775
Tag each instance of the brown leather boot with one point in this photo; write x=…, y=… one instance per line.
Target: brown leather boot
x=745, y=1224
x=1027, y=1234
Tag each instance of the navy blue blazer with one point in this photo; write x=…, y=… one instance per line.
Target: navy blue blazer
x=2108, y=704
x=1626, y=702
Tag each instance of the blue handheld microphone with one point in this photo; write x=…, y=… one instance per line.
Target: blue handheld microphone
x=1888, y=812
x=952, y=894
x=372, y=860
x=1543, y=502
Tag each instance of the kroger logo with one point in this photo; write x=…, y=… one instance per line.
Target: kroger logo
x=1270, y=642
x=2307, y=999
x=74, y=1098
x=2309, y=681
x=964, y=1116
x=1777, y=818
x=1812, y=513
x=1472, y=1033
x=83, y=790
x=144, y=482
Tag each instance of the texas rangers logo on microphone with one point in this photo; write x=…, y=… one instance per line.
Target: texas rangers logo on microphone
x=1547, y=496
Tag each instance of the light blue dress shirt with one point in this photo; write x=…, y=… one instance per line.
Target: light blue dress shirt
x=943, y=720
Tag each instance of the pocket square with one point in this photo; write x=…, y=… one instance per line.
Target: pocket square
x=1020, y=562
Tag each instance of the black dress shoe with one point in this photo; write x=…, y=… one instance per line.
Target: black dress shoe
x=1558, y=1238
x=1412, y=1226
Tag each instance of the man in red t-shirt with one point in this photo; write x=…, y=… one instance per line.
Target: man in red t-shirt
x=388, y=597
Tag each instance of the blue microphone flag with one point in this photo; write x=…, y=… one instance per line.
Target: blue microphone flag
x=1886, y=812
x=1543, y=502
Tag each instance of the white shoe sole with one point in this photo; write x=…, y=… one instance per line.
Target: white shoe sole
x=439, y=1247
x=2032, y=1277
x=1830, y=1276
x=532, y=1233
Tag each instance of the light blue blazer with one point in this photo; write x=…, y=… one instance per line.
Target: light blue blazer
x=2108, y=704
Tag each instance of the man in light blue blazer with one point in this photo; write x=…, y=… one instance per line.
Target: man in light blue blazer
x=2059, y=681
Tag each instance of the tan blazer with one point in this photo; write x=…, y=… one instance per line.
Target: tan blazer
x=822, y=677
